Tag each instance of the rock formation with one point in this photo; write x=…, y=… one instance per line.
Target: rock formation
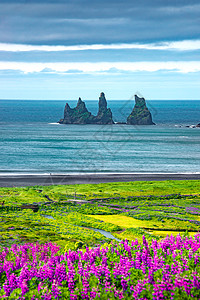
x=104, y=115
x=77, y=115
x=140, y=114
x=80, y=114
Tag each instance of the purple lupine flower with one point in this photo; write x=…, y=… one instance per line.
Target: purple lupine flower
x=111, y=268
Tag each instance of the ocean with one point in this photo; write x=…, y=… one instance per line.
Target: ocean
x=32, y=142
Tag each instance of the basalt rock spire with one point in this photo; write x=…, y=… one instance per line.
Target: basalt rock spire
x=104, y=115
x=140, y=114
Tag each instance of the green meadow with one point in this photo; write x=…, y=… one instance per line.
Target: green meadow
x=74, y=215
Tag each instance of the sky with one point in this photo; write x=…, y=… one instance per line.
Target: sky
x=54, y=50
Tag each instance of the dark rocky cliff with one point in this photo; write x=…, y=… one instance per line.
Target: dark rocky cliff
x=140, y=114
x=80, y=114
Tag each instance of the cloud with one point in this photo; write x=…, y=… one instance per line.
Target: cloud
x=93, y=68
x=195, y=8
x=186, y=45
x=97, y=22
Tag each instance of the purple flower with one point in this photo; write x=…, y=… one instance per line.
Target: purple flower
x=139, y=271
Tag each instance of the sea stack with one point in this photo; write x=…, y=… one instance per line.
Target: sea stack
x=140, y=114
x=77, y=115
x=80, y=114
x=104, y=115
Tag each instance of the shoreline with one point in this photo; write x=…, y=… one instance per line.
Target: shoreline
x=22, y=180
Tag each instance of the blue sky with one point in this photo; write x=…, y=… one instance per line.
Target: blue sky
x=66, y=49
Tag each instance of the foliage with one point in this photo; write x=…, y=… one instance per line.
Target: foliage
x=168, y=269
x=57, y=252
x=26, y=226
x=65, y=221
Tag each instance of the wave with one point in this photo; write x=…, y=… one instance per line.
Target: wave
x=54, y=123
x=94, y=173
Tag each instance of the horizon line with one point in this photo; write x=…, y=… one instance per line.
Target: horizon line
x=146, y=99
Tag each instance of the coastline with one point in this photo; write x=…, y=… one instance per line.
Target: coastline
x=22, y=180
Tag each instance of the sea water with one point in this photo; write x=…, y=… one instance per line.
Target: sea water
x=31, y=140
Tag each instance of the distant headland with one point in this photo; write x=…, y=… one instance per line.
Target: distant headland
x=140, y=114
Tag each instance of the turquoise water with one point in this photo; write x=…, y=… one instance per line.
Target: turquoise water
x=32, y=142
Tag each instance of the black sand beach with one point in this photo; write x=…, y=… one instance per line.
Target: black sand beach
x=31, y=180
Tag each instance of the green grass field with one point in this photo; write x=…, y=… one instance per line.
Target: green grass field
x=87, y=191
x=134, y=209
